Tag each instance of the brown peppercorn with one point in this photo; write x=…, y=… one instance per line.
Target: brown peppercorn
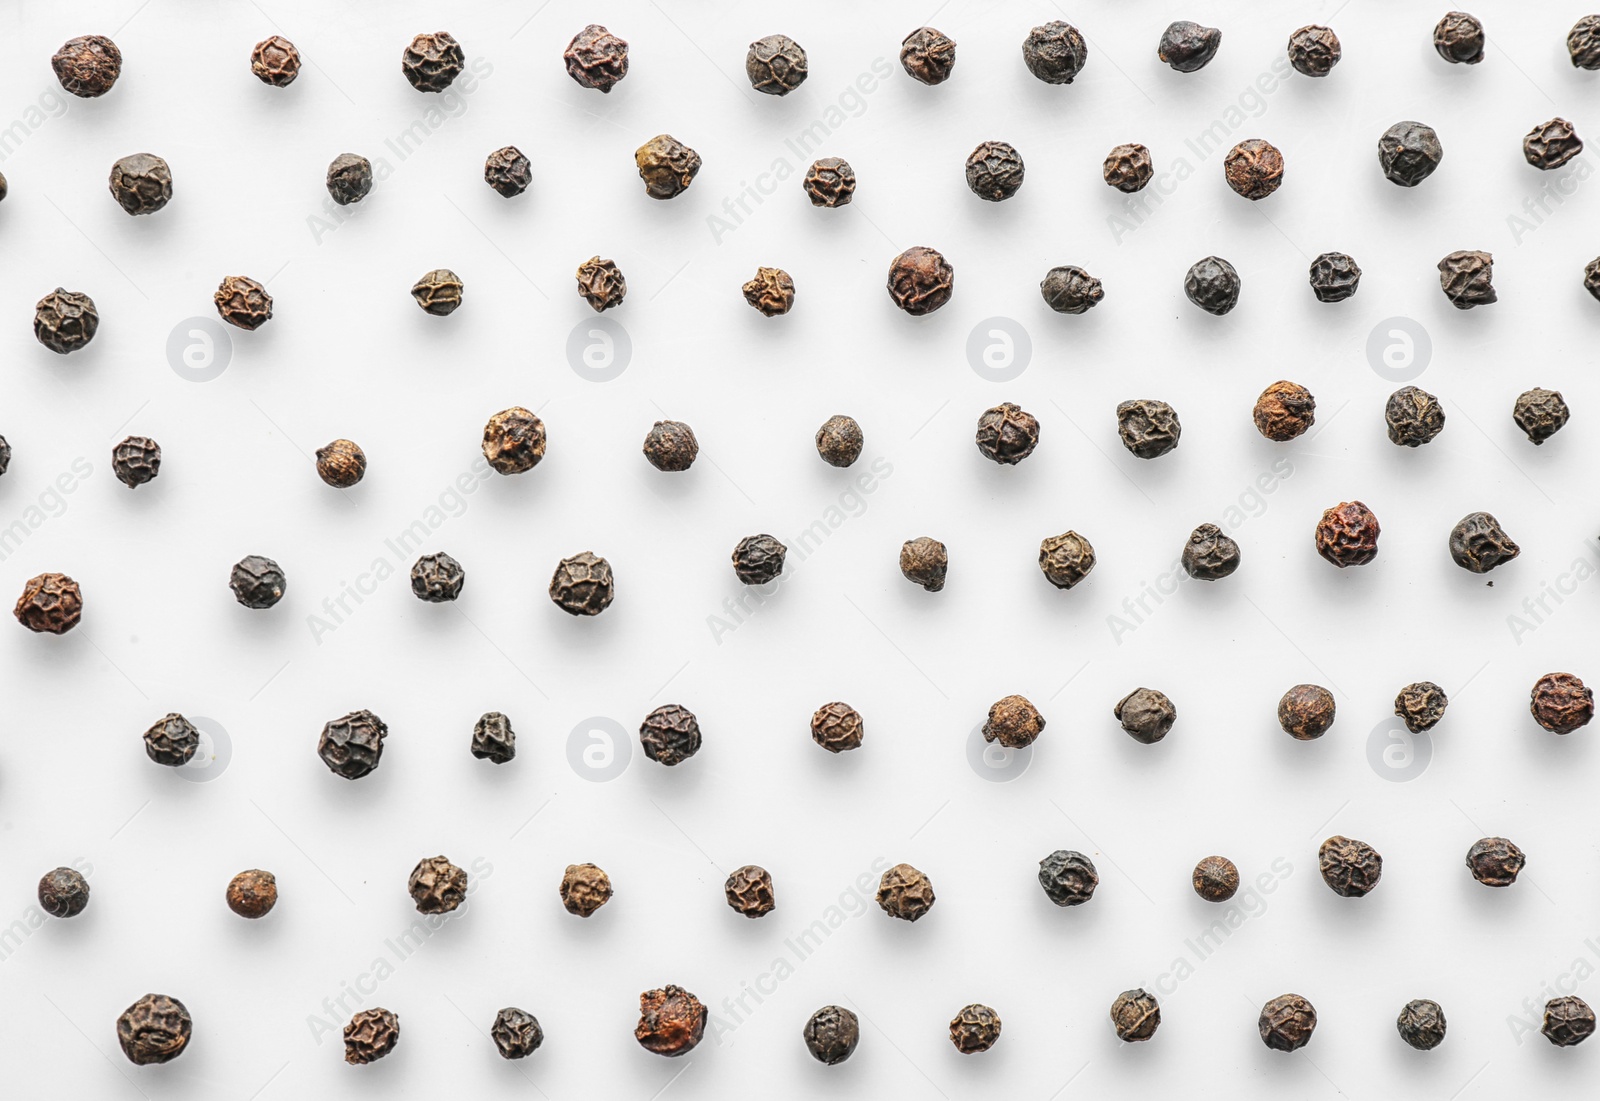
x=1495, y=861
x=1350, y=868
x=1552, y=144
x=88, y=66
x=1458, y=38
x=1287, y=1023
x=341, y=464
x=584, y=889
x=352, y=745
x=243, y=302
x=1421, y=1022
x=1149, y=429
x=1007, y=434
x=513, y=441
x=1068, y=878
x=1540, y=413
x=1478, y=543
x=437, y=578
x=995, y=171
x=671, y=1021
x=432, y=61
x=1055, y=52
x=830, y=182
x=670, y=446
x=925, y=561
x=253, y=893
x=438, y=292
x=1583, y=43
x=275, y=61
x=840, y=441
x=1146, y=715
x=1284, y=410
x=1561, y=703
x=50, y=603
x=583, y=585
x=1209, y=555
x=141, y=183
x=1216, y=879
x=1314, y=50
x=516, y=1033
x=1334, y=277
x=1013, y=722
x=666, y=166
x=1567, y=1021
x=65, y=321
x=837, y=727
x=1135, y=1015
x=508, y=171
x=670, y=734
x=776, y=65
x=975, y=1029
x=63, y=892
x=1413, y=417
x=154, y=1029
x=1066, y=559
x=493, y=739
x=1347, y=535
x=1306, y=712
x=1254, y=168
x=171, y=741
x=1188, y=47
x=1128, y=168
x=257, y=582
x=596, y=58
x=1070, y=289
x=437, y=886
x=349, y=178
x=928, y=56
x=1421, y=705
x=905, y=893
x=749, y=891
x=831, y=1034
x=136, y=460
x=1467, y=279
x=370, y=1035
x=758, y=559
x=921, y=281
x=600, y=283
x=771, y=291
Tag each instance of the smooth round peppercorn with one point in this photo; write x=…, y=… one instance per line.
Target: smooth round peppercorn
x=243, y=303
x=513, y=441
x=349, y=178
x=438, y=292
x=838, y=727
x=583, y=585
x=928, y=55
x=1146, y=715
x=437, y=578
x=275, y=61
x=584, y=889
x=1551, y=144
x=905, y=893
x=1188, y=47
x=63, y=892
x=1007, y=434
x=508, y=171
x=51, y=603
x=141, y=183
x=1216, y=879
x=1495, y=861
x=670, y=734
x=830, y=182
x=1066, y=559
x=1458, y=38
x=341, y=464
x=1561, y=703
x=1128, y=168
x=1583, y=43
x=136, y=460
x=771, y=292
x=1287, y=1023
x=154, y=1029
x=516, y=1033
x=1467, y=279
x=493, y=739
x=1421, y=1022
x=1314, y=50
x=65, y=321
x=1068, y=878
x=925, y=561
x=831, y=1034
x=670, y=446
x=437, y=886
x=352, y=745
x=1334, y=277
x=1421, y=705
x=1253, y=168
x=1013, y=722
x=776, y=65
x=257, y=582
x=1413, y=417
x=758, y=559
x=1284, y=411
x=1408, y=152
x=994, y=171
x=840, y=441
x=1567, y=1021
x=432, y=61
x=252, y=894
x=1135, y=1015
x=1306, y=712
x=975, y=1029
x=171, y=741
x=89, y=66
x=749, y=891
x=1350, y=868
x=1214, y=285
x=596, y=58
x=600, y=283
x=1055, y=52
x=1347, y=535
x=370, y=1035
x=1540, y=413
x=1070, y=289
x=1209, y=555
x=921, y=281
x=1148, y=428
x=1478, y=543
x=666, y=166
x=672, y=1021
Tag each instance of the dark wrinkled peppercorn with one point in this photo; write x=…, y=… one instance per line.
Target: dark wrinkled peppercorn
x=493, y=739
x=1561, y=703
x=1347, y=534
x=1314, y=50
x=370, y=1035
x=1146, y=715
x=671, y=1021
x=1591, y=277
x=1287, y=1023
x=1148, y=428
x=349, y=178
x=63, y=892
x=771, y=291
x=1135, y=1015
x=1567, y=1021
x=88, y=66
x=1421, y=1021
x=141, y=183
x=830, y=182
x=1253, y=168
x=776, y=65
x=838, y=727
x=1013, y=722
x=154, y=1029
x=1350, y=868
x=352, y=745
x=432, y=62
x=1334, y=277
x=1467, y=279
x=666, y=166
x=243, y=302
x=921, y=280
x=171, y=741
x=508, y=171
x=1413, y=417
x=925, y=561
x=1583, y=43
x=1068, y=877
x=832, y=1032
x=1209, y=555
x=136, y=460
x=584, y=889
x=1128, y=168
x=1421, y=705
x=583, y=585
x=596, y=58
x=275, y=61
x=1408, y=152
x=1552, y=144
x=1540, y=413
x=1495, y=861
x=1214, y=285
x=1070, y=289
x=1066, y=559
x=516, y=1033
x=905, y=893
x=1216, y=879
x=600, y=283
x=928, y=56
x=1188, y=47
x=1478, y=543
x=749, y=891
x=257, y=582
x=1284, y=411
x=513, y=441
x=1055, y=52
x=437, y=578
x=436, y=885
x=341, y=464
x=50, y=603
x=758, y=559
x=994, y=171
x=840, y=441
x=975, y=1029
x=670, y=734
x=5, y=454
x=1459, y=39
x=252, y=894
x=670, y=446
x=1007, y=434
x=65, y=321
x=438, y=292
x=1306, y=712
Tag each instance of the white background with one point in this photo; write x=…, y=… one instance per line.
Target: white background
x=348, y=354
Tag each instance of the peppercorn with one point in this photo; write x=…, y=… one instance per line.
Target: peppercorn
x=975, y=1029
x=1466, y=278
x=1561, y=703
x=493, y=739
x=1214, y=285
x=1413, y=417
x=670, y=734
x=1287, y=1023
x=352, y=745
x=508, y=171
x=438, y=292
x=252, y=894
x=63, y=892
x=776, y=65
x=349, y=178
x=1216, y=879
x=905, y=893
x=5, y=455
x=1350, y=868
x=1306, y=712
x=600, y=283
x=1334, y=277
x=838, y=727
x=275, y=61
x=925, y=561
x=749, y=891
x=1070, y=289
x=1253, y=168
x=583, y=585
x=437, y=578
x=4, y=188
x=1567, y=1021
x=50, y=603
x=370, y=1035
x=584, y=889
x=1314, y=50
x=1135, y=1015
x=154, y=1029
x=65, y=321
x=832, y=1032
x=1284, y=411
x=432, y=62
x=1007, y=434
x=670, y=446
x=1146, y=715
x=1188, y=47
x=921, y=281
x=136, y=460
x=1128, y=168
x=830, y=182
x=141, y=183
x=1066, y=559
x=171, y=741
x=88, y=66
x=243, y=302
x=1055, y=52
x=513, y=441
x=516, y=1033
x=596, y=58
x=1478, y=543
x=1540, y=413
x=758, y=559
x=994, y=171
x=437, y=886
x=1209, y=555
x=1552, y=144
x=671, y=1021
x=1408, y=152
x=1347, y=534
x=771, y=291
x=928, y=56
x=1013, y=722
x=1421, y=705
x=666, y=166
x=257, y=582
x=341, y=464
x=1459, y=39
x=1421, y=1022
x=840, y=440
x=1495, y=861
x=1583, y=43
x=1068, y=877
x=1591, y=277
x=1148, y=428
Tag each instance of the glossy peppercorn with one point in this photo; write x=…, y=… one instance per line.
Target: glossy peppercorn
x=596, y=58
x=1421, y=1022
x=1128, y=168
x=1334, y=277
x=840, y=441
x=432, y=61
x=1583, y=43
x=600, y=283
x=438, y=292
x=51, y=603
x=666, y=166
x=1254, y=168
x=1347, y=535
x=243, y=303
x=1421, y=705
x=921, y=281
x=1146, y=715
x=1188, y=47
x=352, y=745
x=1551, y=144
x=1135, y=1015
x=508, y=171
x=975, y=1029
x=831, y=1034
x=1478, y=543
x=1467, y=279
x=1007, y=434
x=257, y=582
x=583, y=585
x=63, y=893
x=1458, y=38
x=341, y=464
x=516, y=1033
x=154, y=1029
x=349, y=178
x=905, y=893
x=1055, y=52
x=928, y=56
x=171, y=741
x=1350, y=868
x=672, y=1021
x=838, y=727
x=513, y=441
x=89, y=66
x=65, y=321
x=1216, y=879
x=776, y=65
x=758, y=559
x=1408, y=153
x=1567, y=1021
x=671, y=446
x=1068, y=878
x=925, y=561
x=1413, y=417
x=830, y=182
x=1561, y=703
x=1214, y=285
x=1540, y=413
x=493, y=739
x=771, y=292
x=1013, y=722
x=1287, y=1022
x=670, y=734
x=136, y=460
x=1066, y=559
x=994, y=171
x=252, y=894
x=275, y=61
x=370, y=1035
x=584, y=889
x=437, y=886
x=1148, y=428
x=1070, y=289
x=749, y=891
x=141, y=183
x=1314, y=50
x=1209, y=555
x=1306, y=712
x=1495, y=861
x=1284, y=411
x=437, y=578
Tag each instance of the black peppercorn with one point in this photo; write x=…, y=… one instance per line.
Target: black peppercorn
x=437, y=886
x=341, y=464
x=1561, y=703
x=1253, y=168
x=672, y=1021
x=1567, y=1021
x=275, y=61
x=583, y=585
x=171, y=741
x=1146, y=715
x=352, y=745
x=257, y=582
x=1421, y=705
x=1284, y=411
x=1287, y=1023
x=5, y=455
x=771, y=292
x=1467, y=279
x=994, y=171
x=1148, y=428
x=670, y=734
x=136, y=460
x=1007, y=434
x=65, y=321
x=513, y=441
x=596, y=58
x=141, y=183
x=832, y=1032
x=838, y=727
x=1583, y=43
x=243, y=302
x=775, y=65
x=1552, y=144
x=63, y=892
x=1478, y=543
x=1495, y=861
x=921, y=281
x=1314, y=50
x=370, y=1035
x=51, y=603
x=1055, y=52
x=516, y=1033
x=1413, y=417
x=1128, y=168
x=1350, y=868
x=928, y=56
x=1135, y=1015
x=89, y=66
x=1540, y=413
x=1347, y=534
x=830, y=182
x=840, y=441
x=1306, y=712
x=438, y=292
x=252, y=894
x=1459, y=39
x=432, y=61
x=437, y=578
x=154, y=1029
x=1066, y=559
x=670, y=446
x=600, y=283
x=1216, y=879
x=758, y=559
x=349, y=178
x=1334, y=277
x=905, y=893
x=584, y=889
x=1209, y=555
x=493, y=739
x=1013, y=722
x=666, y=166
x=1214, y=285
x=508, y=171
x=1188, y=47
x=1068, y=878
x=1408, y=152
x=975, y=1029
x=1421, y=1022
x=749, y=891
x=925, y=561
x=1070, y=289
